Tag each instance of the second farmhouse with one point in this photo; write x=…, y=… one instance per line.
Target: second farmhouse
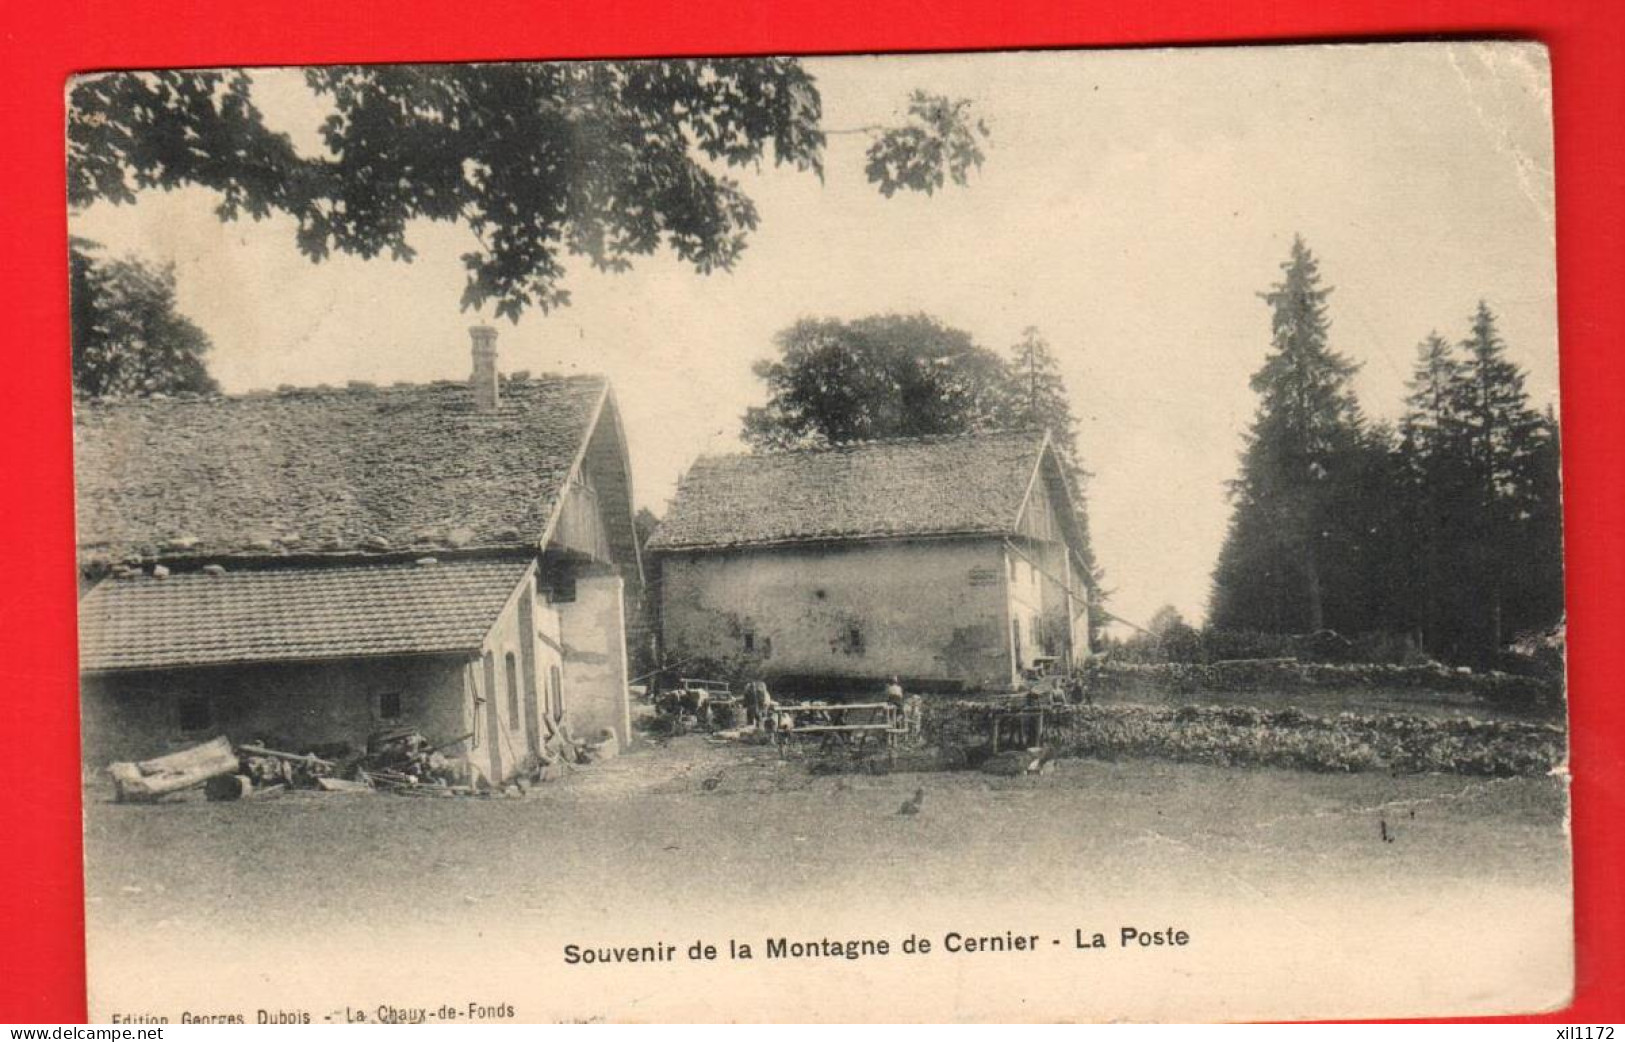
x=953, y=563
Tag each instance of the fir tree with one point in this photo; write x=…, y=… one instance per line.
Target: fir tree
x=1305, y=439
x=1503, y=452
x=1037, y=398
x=1433, y=453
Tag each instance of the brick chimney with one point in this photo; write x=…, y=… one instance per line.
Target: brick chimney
x=483, y=381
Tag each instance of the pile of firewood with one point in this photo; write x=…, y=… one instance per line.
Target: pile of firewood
x=399, y=761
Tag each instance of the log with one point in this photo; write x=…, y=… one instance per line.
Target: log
x=211, y=751
x=151, y=780
x=224, y=788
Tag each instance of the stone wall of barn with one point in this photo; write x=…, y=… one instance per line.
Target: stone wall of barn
x=505, y=703
x=933, y=612
x=568, y=660
x=137, y=716
x=592, y=632
x=1029, y=624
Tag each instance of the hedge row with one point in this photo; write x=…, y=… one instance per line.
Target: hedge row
x=1501, y=690
x=1290, y=738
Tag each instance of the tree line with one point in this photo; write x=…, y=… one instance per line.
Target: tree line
x=1444, y=528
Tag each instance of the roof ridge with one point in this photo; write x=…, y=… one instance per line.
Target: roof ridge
x=965, y=483
x=349, y=389
x=862, y=443
x=353, y=470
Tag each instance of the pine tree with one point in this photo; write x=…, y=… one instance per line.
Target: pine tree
x=1503, y=451
x=1036, y=398
x=1306, y=438
x=1433, y=454
x=1536, y=579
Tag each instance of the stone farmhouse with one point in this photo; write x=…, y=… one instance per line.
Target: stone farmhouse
x=952, y=563
x=308, y=567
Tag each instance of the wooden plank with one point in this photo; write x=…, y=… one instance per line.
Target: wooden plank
x=823, y=728
x=834, y=707
x=342, y=785
x=260, y=750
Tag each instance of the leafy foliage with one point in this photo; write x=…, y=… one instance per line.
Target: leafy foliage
x=128, y=337
x=643, y=608
x=886, y=376
x=603, y=160
x=940, y=143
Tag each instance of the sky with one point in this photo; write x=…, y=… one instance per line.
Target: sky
x=1132, y=206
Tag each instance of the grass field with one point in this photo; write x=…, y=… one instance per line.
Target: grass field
x=689, y=832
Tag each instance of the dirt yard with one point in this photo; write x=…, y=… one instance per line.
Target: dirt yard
x=695, y=831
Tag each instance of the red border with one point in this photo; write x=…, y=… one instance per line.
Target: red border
x=42, y=43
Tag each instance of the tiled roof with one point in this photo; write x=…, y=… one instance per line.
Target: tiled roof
x=292, y=614
x=968, y=484
x=367, y=470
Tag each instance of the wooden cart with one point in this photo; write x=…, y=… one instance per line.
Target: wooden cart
x=855, y=728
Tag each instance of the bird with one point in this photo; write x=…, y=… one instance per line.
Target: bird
x=912, y=804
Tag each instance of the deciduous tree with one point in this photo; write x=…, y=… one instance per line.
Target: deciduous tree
x=885, y=376
x=604, y=160
x=128, y=336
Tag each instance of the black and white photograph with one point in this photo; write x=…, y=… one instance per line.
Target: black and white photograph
x=958, y=537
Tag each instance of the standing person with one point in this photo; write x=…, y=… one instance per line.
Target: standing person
x=755, y=696
x=894, y=694
x=767, y=707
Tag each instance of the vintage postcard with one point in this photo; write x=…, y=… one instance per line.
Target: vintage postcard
x=961, y=537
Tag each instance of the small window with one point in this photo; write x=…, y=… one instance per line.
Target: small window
x=195, y=714
x=854, y=640
x=767, y=647
x=1013, y=576
x=750, y=642
x=511, y=668
x=1015, y=635
x=488, y=693
x=389, y=706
